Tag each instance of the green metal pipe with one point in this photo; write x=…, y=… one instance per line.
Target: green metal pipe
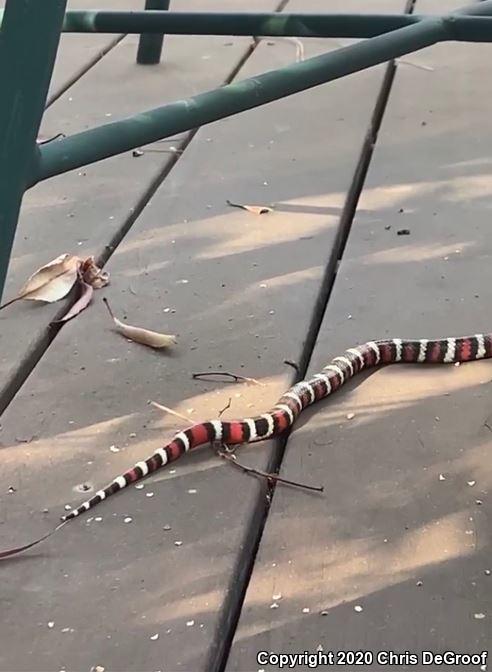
x=248, y=24
x=28, y=43
x=466, y=28
x=152, y=24
x=480, y=8
x=120, y=136
x=150, y=43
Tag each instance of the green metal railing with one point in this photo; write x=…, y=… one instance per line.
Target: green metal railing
x=29, y=36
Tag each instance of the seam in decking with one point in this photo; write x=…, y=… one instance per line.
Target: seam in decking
x=63, y=88
x=232, y=606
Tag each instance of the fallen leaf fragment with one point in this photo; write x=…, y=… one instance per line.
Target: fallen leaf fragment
x=86, y=293
x=92, y=274
x=51, y=282
x=152, y=339
x=54, y=280
x=254, y=209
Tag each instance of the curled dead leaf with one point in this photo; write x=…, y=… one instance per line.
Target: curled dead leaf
x=51, y=282
x=152, y=339
x=93, y=275
x=85, y=297
x=54, y=280
x=255, y=209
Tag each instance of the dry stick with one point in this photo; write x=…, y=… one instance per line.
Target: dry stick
x=169, y=410
x=8, y=303
x=236, y=378
x=269, y=477
x=53, y=137
x=226, y=407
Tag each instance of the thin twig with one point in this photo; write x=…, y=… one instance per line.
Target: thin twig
x=9, y=303
x=269, y=477
x=289, y=362
x=225, y=407
x=44, y=141
x=233, y=377
x=106, y=303
x=169, y=410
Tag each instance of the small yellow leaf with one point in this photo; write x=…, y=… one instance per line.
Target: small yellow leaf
x=255, y=209
x=152, y=339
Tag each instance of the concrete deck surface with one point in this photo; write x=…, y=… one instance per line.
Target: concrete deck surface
x=395, y=553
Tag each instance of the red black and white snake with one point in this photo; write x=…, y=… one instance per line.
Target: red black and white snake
x=284, y=414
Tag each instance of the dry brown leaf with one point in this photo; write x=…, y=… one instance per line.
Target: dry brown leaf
x=86, y=293
x=255, y=209
x=51, y=282
x=152, y=339
x=93, y=275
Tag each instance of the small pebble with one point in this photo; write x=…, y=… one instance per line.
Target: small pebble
x=11, y=490
x=132, y=435
x=166, y=528
x=178, y=543
x=419, y=583
x=98, y=519
x=192, y=491
x=277, y=596
x=128, y=519
x=139, y=486
x=358, y=608
x=480, y=616
x=471, y=483
x=324, y=612
x=172, y=471
x=487, y=572
x=51, y=624
x=149, y=494
x=442, y=477
x=114, y=449
x=306, y=610
x=478, y=502
x=350, y=416
x=190, y=624
x=154, y=637
x=274, y=605
x=67, y=507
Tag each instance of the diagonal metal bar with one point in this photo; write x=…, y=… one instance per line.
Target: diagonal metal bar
x=120, y=136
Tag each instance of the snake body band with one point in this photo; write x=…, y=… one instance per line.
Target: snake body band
x=284, y=414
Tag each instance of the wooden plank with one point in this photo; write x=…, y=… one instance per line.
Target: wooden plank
x=83, y=211
x=394, y=555
x=227, y=283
